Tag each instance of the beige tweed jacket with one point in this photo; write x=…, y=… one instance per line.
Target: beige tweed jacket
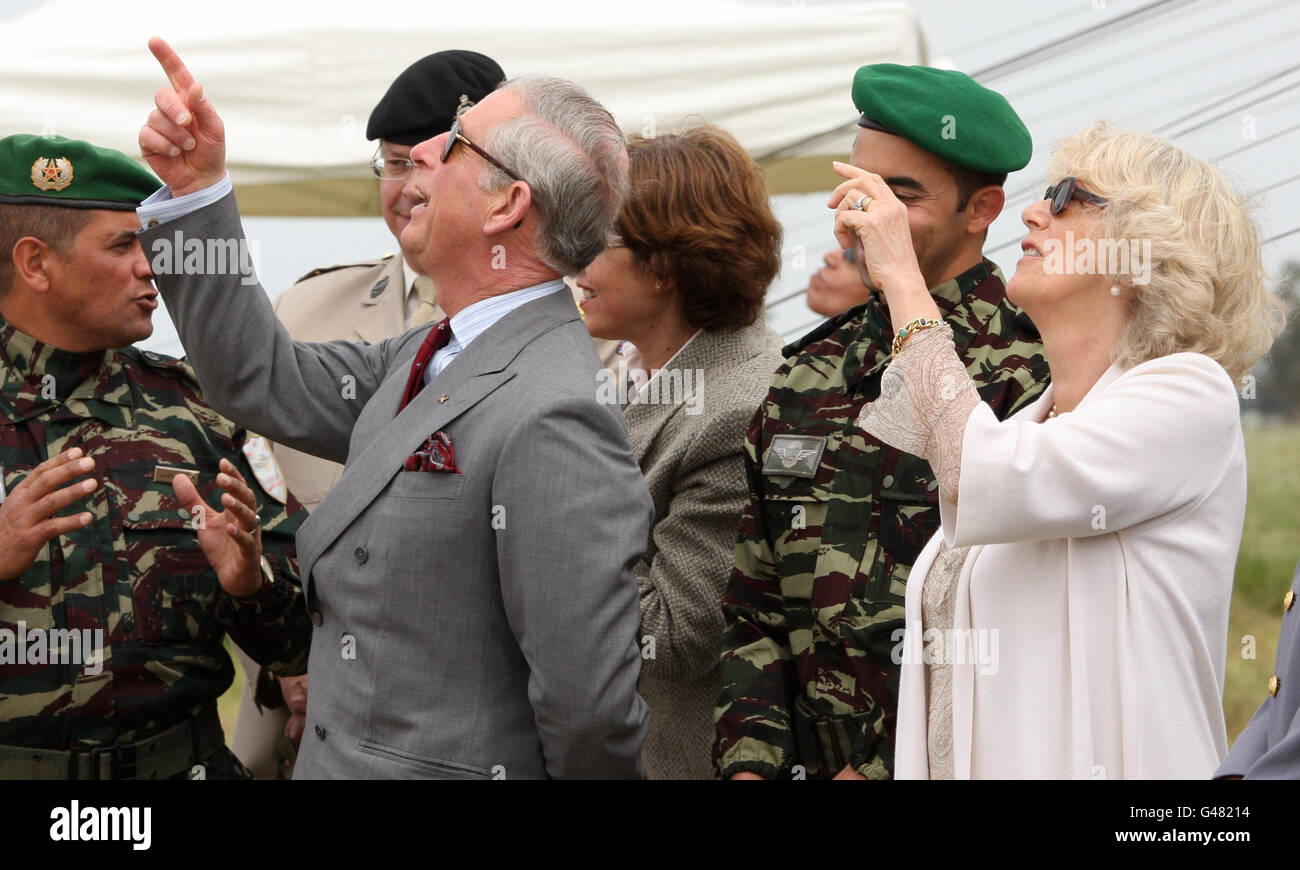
x=692, y=455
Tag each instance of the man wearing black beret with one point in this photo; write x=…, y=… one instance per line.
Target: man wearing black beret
x=835, y=519
x=370, y=300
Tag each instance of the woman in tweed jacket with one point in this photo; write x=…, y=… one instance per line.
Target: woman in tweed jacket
x=683, y=286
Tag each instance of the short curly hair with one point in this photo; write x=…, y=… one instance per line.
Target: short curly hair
x=1208, y=291
x=698, y=215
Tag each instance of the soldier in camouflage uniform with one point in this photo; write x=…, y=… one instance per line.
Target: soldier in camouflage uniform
x=116, y=560
x=836, y=518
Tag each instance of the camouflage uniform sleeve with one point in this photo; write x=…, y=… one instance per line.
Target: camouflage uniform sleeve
x=752, y=716
x=1023, y=369
x=275, y=630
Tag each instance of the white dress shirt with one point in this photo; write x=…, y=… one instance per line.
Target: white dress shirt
x=473, y=321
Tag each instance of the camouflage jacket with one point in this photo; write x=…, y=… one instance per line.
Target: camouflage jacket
x=834, y=521
x=136, y=572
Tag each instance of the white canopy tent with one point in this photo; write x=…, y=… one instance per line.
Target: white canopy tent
x=295, y=82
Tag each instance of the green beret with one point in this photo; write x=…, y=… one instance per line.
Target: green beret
x=51, y=170
x=945, y=112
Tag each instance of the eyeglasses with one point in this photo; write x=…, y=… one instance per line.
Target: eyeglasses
x=454, y=135
x=390, y=170
x=1068, y=189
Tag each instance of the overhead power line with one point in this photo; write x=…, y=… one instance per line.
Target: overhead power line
x=1256, y=142
x=1074, y=41
x=1235, y=18
x=1055, y=49
x=1028, y=189
x=1282, y=235
x=1273, y=76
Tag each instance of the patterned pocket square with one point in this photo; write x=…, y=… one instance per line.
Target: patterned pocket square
x=435, y=454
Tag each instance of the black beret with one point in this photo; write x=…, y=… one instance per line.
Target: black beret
x=423, y=101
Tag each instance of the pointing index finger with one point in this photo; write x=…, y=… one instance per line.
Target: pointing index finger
x=177, y=73
x=860, y=180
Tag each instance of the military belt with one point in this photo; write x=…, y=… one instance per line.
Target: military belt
x=161, y=756
x=824, y=742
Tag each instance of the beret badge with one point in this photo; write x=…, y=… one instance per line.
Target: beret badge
x=464, y=105
x=52, y=173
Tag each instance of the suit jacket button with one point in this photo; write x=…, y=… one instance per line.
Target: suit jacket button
x=317, y=618
x=320, y=732
x=1288, y=599
x=1273, y=685
x=360, y=555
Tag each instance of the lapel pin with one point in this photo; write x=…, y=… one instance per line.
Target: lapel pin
x=442, y=398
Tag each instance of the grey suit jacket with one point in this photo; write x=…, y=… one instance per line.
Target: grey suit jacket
x=467, y=625
x=339, y=302
x=693, y=456
x=1269, y=747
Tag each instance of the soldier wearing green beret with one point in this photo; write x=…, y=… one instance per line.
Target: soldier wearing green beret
x=835, y=518
x=129, y=509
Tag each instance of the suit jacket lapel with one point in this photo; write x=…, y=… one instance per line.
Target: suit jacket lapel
x=703, y=356
x=479, y=370
x=384, y=315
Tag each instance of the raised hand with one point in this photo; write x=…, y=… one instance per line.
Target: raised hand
x=231, y=539
x=27, y=515
x=183, y=140
x=294, y=692
x=879, y=233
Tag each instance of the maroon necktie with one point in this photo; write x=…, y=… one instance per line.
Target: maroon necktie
x=435, y=341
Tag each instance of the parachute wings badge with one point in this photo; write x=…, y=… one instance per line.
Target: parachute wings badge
x=792, y=456
x=797, y=456
x=54, y=173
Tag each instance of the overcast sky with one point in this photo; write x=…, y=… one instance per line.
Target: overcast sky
x=1150, y=74
x=1172, y=72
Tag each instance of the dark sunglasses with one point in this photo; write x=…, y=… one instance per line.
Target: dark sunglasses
x=1067, y=189
x=454, y=135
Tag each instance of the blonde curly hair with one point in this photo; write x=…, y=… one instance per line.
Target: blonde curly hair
x=1208, y=290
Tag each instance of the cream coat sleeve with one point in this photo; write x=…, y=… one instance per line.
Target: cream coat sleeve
x=1135, y=451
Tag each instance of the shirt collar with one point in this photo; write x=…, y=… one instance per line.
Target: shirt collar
x=967, y=302
x=36, y=378
x=954, y=292
x=636, y=371
x=474, y=320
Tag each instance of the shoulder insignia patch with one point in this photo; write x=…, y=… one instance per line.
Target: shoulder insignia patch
x=163, y=361
x=267, y=471
x=325, y=270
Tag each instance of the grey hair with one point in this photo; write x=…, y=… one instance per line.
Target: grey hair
x=573, y=156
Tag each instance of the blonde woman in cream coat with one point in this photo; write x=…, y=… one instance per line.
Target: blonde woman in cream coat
x=1070, y=618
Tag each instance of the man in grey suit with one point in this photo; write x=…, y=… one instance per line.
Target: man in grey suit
x=1269, y=746
x=470, y=576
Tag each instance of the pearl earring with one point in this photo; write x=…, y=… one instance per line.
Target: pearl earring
x=659, y=285
x=1114, y=289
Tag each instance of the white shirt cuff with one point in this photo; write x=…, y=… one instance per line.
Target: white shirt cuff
x=160, y=207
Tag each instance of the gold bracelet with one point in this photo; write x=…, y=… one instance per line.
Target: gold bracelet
x=913, y=326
